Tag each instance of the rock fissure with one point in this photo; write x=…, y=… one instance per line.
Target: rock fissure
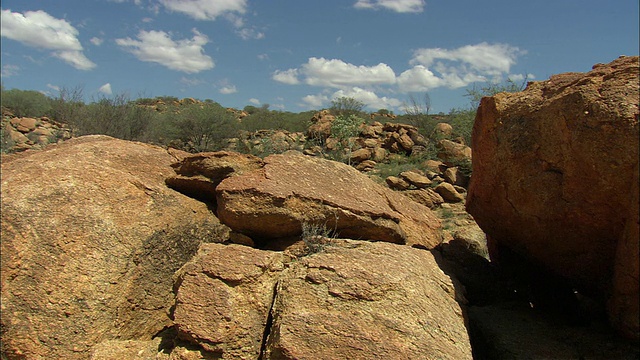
x=268, y=323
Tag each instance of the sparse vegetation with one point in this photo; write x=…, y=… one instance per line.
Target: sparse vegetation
x=315, y=237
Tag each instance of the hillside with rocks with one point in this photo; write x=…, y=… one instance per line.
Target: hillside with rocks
x=376, y=242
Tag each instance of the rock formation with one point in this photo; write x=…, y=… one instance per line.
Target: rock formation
x=553, y=169
x=91, y=237
x=292, y=189
x=238, y=302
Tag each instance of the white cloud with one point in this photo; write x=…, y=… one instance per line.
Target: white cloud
x=337, y=74
x=418, y=79
x=105, y=89
x=315, y=101
x=96, y=41
x=248, y=34
x=484, y=58
x=254, y=101
x=263, y=57
x=369, y=98
x=42, y=31
x=10, y=70
x=287, y=76
x=185, y=55
x=401, y=6
x=455, y=68
x=228, y=89
x=206, y=9
x=53, y=87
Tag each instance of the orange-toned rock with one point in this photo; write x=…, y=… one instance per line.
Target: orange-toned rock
x=553, y=167
x=291, y=189
x=90, y=239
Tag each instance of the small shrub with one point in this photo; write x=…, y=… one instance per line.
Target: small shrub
x=345, y=129
x=316, y=237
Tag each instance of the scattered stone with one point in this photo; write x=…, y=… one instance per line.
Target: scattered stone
x=397, y=183
x=448, y=193
x=415, y=179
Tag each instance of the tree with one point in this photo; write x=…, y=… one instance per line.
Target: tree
x=346, y=106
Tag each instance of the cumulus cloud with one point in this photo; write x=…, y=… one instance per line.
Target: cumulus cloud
x=105, y=89
x=483, y=58
x=228, y=89
x=186, y=55
x=315, y=101
x=42, y=31
x=287, y=76
x=369, y=98
x=431, y=68
x=337, y=74
x=401, y=6
x=254, y=101
x=206, y=9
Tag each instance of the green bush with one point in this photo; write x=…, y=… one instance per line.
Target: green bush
x=345, y=129
x=202, y=127
x=26, y=103
x=346, y=106
x=117, y=116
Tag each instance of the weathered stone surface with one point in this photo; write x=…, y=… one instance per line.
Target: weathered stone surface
x=442, y=131
x=321, y=125
x=90, y=237
x=291, y=189
x=552, y=173
x=415, y=179
x=360, y=155
x=198, y=175
x=448, y=193
x=450, y=151
x=397, y=183
x=224, y=295
x=341, y=304
x=426, y=197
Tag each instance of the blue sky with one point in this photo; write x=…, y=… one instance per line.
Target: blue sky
x=297, y=55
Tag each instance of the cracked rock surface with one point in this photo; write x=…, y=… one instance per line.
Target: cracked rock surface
x=353, y=300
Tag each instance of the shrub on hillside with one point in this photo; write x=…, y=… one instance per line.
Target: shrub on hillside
x=116, y=116
x=26, y=103
x=200, y=127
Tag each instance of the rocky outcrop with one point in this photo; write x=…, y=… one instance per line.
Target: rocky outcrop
x=292, y=189
x=198, y=175
x=19, y=134
x=334, y=304
x=90, y=239
x=553, y=168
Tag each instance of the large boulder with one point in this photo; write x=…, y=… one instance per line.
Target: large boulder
x=292, y=189
x=224, y=296
x=338, y=303
x=90, y=239
x=553, y=168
